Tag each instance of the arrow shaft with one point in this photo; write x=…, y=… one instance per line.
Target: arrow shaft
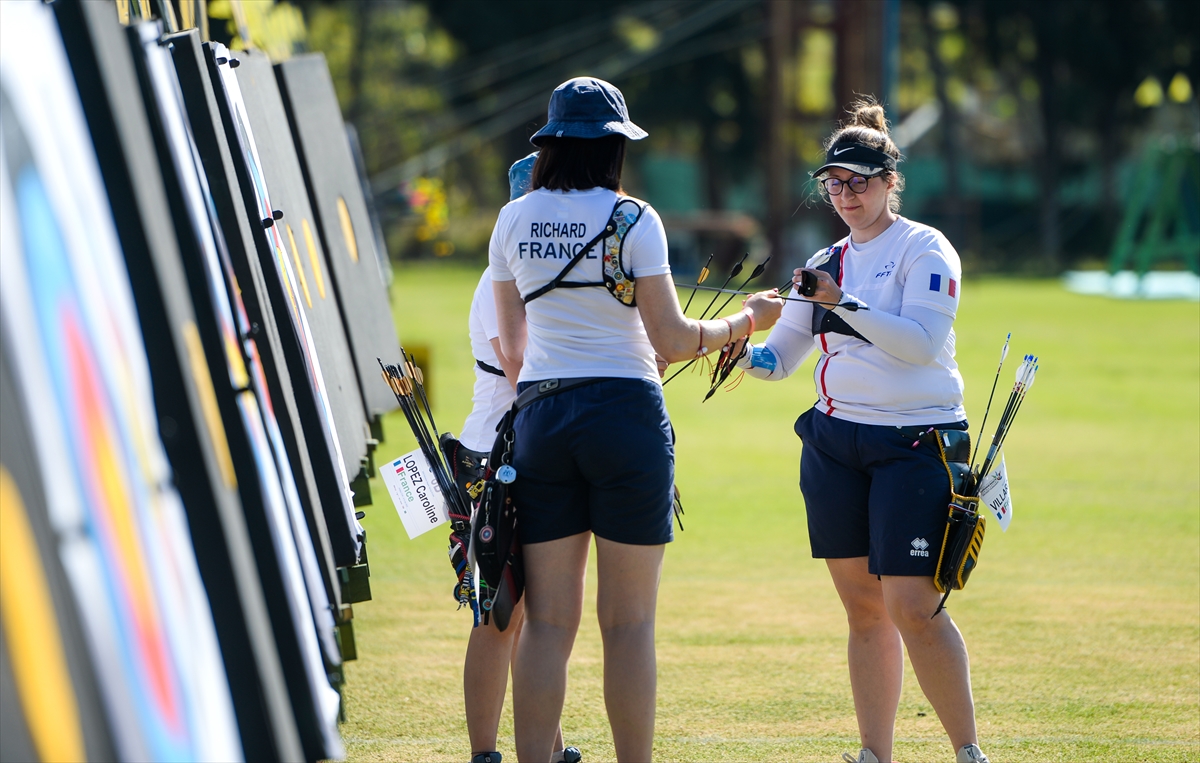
x=785, y=299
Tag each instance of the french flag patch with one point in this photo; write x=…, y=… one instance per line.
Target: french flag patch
x=935, y=284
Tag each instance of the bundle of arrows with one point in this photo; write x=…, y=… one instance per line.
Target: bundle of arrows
x=408, y=384
x=964, y=534
x=727, y=359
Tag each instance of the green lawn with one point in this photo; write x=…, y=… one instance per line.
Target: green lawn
x=1083, y=620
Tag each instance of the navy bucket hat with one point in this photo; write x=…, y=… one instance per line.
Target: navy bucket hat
x=586, y=107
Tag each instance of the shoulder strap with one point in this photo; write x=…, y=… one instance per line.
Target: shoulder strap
x=488, y=368
x=618, y=282
x=824, y=320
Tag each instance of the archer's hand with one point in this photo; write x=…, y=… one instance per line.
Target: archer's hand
x=766, y=307
x=662, y=364
x=827, y=289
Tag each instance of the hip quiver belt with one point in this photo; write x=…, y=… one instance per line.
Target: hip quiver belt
x=495, y=545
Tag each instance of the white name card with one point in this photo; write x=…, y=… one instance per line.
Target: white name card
x=415, y=493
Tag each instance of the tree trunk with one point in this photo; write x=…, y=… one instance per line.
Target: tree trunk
x=1049, y=230
x=952, y=202
x=357, y=108
x=778, y=171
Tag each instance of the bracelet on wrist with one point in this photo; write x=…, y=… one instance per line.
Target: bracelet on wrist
x=729, y=326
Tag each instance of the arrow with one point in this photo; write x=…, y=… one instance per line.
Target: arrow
x=701, y=279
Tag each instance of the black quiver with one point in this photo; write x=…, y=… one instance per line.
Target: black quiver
x=497, y=549
x=467, y=470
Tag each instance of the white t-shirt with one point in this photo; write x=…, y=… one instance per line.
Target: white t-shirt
x=907, y=266
x=493, y=394
x=576, y=332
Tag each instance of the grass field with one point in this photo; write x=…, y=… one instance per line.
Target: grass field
x=1083, y=620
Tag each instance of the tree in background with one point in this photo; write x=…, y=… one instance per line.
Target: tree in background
x=1018, y=117
x=1044, y=90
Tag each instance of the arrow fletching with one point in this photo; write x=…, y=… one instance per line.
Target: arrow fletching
x=737, y=268
x=703, y=277
x=758, y=271
x=1021, y=369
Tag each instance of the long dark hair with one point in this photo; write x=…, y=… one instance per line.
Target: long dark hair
x=577, y=164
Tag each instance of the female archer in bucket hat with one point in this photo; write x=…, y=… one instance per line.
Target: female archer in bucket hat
x=489, y=649
x=889, y=414
x=584, y=301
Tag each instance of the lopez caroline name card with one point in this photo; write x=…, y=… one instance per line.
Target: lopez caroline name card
x=415, y=493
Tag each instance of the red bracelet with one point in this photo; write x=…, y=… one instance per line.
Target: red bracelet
x=729, y=326
x=701, y=350
x=749, y=315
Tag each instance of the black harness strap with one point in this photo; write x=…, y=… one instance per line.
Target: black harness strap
x=616, y=280
x=490, y=369
x=824, y=320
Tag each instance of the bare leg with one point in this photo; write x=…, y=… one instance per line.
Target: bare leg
x=874, y=651
x=517, y=622
x=554, y=573
x=485, y=678
x=937, y=651
x=625, y=604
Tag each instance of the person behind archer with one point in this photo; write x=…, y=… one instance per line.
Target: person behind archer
x=485, y=669
x=875, y=487
x=593, y=455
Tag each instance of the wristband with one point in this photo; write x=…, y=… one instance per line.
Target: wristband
x=729, y=326
x=749, y=315
x=701, y=350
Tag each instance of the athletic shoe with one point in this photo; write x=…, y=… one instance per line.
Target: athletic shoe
x=486, y=757
x=971, y=754
x=864, y=756
x=567, y=755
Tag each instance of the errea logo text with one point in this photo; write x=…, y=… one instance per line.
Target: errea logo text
x=920, y=547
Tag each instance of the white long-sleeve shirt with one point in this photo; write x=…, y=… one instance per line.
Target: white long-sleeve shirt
x=910, y=278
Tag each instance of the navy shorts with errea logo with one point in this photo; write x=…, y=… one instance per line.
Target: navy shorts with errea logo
x=869, y=492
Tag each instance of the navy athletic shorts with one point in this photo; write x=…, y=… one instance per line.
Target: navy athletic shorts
x=599, y=458
x=869, y=492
